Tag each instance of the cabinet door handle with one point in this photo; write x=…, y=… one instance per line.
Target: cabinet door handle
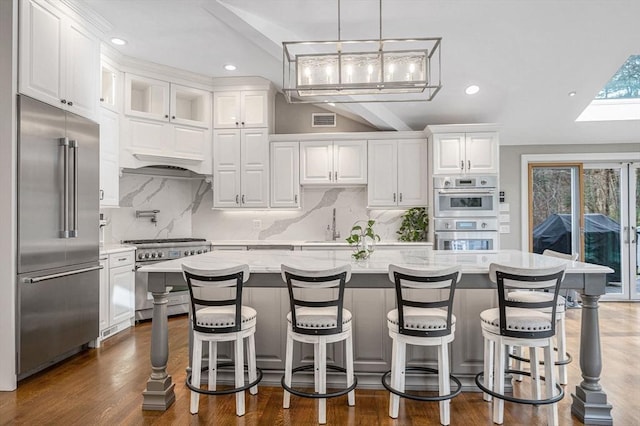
x=101, y=192
x=237, y=124
x=461, y=164
x=295, y=198
x=166, y=116
x=394, y=197
x=242, y=198
x=329, y=175
x=400, y=198
x=335, y=176
x=64, y=101
x=173, y=117
x=70, y=103
x=243, y=123
x=468, y=164
x=237, y=199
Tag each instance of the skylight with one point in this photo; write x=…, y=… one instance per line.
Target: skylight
x=620, y=97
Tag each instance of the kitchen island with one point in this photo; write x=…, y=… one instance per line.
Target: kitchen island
x=370, y=296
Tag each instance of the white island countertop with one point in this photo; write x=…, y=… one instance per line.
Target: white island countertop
x=269, y=261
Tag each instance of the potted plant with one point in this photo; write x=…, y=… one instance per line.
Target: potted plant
x=363, y=238
x=415, y=225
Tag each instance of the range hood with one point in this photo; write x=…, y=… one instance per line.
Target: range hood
x=162, y=170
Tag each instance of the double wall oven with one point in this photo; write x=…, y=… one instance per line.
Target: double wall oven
x=153, y=251
x=466, y=213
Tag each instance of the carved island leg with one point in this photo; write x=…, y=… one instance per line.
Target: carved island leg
x=159, y=394
x=589, y=400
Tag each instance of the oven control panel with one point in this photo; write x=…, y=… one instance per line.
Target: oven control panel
x=155, y=254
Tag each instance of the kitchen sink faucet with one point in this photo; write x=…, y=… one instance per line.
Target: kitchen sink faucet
x=335, y=234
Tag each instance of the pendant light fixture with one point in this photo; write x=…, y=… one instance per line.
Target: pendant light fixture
x=357, y=71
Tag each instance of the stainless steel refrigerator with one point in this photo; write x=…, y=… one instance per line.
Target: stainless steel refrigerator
x=58, y=267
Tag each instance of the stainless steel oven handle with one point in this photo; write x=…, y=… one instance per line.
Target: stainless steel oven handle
x=64, y=143
x=29, y=280
x=467, y=192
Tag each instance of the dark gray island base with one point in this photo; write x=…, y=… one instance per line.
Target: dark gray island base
x=370, y=296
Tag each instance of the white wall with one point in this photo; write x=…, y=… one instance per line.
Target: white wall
x=8, y=139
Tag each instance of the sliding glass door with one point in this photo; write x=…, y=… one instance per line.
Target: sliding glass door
x=591, y=209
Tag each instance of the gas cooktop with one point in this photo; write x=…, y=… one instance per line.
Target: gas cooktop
x=164, y=241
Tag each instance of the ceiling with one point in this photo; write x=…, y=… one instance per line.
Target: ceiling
x=526, y=55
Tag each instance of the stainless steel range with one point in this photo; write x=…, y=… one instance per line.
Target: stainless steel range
x=153, y=251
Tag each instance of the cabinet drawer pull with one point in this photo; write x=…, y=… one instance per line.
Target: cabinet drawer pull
x=70, y=103
x=122, y=259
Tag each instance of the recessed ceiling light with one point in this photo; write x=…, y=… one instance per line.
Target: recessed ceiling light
x=230, y=67
x=118, y=41
x=472, y=90
x=572, y=93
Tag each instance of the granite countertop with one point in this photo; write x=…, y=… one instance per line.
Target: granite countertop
x=269, y=261
x=115, y=248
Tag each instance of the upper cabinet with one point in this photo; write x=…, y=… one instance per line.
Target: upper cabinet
x=59, y=59
x=165, y=123
x=109, y=161
x=285, y=175
x=163, y=101
x=241, y=109
x=333, y=162
x=110, y=86
x=397, y=173
x=465, y=153
x=240, y=168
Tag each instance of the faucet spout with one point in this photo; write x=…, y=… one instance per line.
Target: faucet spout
x=335, y=234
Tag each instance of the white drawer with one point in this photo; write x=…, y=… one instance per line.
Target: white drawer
x=122, y=259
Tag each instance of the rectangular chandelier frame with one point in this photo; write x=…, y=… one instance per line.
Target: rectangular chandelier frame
x=357, y=71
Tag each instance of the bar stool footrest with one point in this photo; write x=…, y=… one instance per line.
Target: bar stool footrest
x=315, y=394
x=224, y=391
x=567, y=359
x=551, y=400
x=419, y=397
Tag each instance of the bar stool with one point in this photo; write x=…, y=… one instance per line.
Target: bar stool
x=561, y=335
x=422, y=324
x=318, y=323
x=217, y=318
x=520, y=324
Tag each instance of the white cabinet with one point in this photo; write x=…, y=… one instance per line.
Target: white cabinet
x=459, y=153
x=104, y=294
x=397, y=173
x=110, y=86
x=109, y=159
x=240, y=168
x=166, y=123
x=330, y=163
x=285, y=174
x=241, y=109
x=59, y=59
x=117, y=293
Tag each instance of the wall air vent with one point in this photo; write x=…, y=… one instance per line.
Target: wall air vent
x=323, y=120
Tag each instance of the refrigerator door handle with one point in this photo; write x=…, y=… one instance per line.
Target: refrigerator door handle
x=30, y=280
x=64, y=143
x=74, y=227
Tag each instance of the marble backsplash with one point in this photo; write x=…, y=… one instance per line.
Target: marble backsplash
x=185, y=211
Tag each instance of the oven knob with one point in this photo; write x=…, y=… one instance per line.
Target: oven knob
x=447, y=225
x=146, y=255
x=154, y=255
x=140, y=255
x=484, y=225
x=192, y=252
x=447, y=183
x=483, y=182
x=199, y=251
x=186, y=252
x=161, y=254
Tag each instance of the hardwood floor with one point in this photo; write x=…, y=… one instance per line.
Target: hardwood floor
x=104, y=386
